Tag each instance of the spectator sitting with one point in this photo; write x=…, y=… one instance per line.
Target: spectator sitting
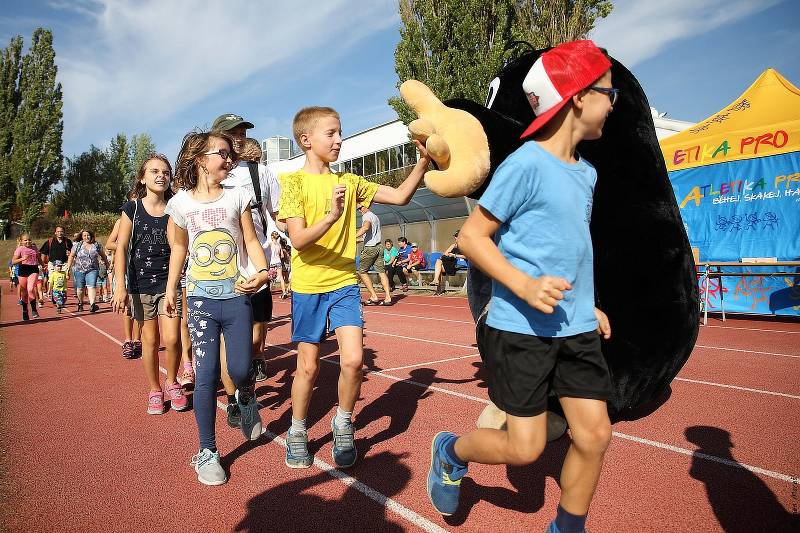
x=416, y=262
x=390, y=256
x=446, y=263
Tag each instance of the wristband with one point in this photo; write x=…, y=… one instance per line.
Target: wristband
x=262, y=270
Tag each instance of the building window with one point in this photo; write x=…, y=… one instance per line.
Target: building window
x=381, y=161
x=395, y=157
x=369, y=165
x=358, y=166
x=409, y=154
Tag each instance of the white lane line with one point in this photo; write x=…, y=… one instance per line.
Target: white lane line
x=754, y=329
x=413, y=304
x=470, y=322
x=656, y=444
x=387, y=502
x=431, y=362
x=745, y=351
x=726, y=386
x=707, y=457
x=372, y=331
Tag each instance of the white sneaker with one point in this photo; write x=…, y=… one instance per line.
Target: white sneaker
x=209, y=471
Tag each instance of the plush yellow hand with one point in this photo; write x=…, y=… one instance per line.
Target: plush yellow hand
x=455, y=140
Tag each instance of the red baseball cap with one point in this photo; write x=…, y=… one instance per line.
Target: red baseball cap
x=558, y=75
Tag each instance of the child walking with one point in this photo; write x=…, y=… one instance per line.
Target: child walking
x=226, y=265
x=319, y=208
x=530, y=234
x=26, y=256
x=132, y=345
x=142, y=254
x=58, y=286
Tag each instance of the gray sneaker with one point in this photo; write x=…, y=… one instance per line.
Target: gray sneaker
x=248, y=407
x=209, y=471
x=297, y=455
x=344, y=449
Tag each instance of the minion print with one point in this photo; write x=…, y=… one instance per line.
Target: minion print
x=214, y=265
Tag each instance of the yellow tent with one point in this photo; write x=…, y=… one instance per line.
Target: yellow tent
x=763, y=121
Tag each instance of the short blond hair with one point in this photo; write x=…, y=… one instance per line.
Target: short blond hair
x=251, y=150
x=306, y=119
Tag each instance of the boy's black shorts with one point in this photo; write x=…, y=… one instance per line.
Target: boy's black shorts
x=261, y=303
x=523, y=369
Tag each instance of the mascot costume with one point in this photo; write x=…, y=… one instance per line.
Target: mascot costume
x=644, y=272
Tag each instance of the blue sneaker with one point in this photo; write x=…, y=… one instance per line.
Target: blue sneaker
x=248, y=408
x=297, y=455
x=444, y=479
x=553, y=528
x=344, y=449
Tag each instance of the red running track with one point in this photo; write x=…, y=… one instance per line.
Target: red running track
x=80, y=454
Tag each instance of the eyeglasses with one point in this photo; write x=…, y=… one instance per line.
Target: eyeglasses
x=224, y=154
x=611, y=92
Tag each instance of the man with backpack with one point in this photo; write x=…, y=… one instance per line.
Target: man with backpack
x=263, y=185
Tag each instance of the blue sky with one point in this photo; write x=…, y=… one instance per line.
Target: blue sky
x=165, y=68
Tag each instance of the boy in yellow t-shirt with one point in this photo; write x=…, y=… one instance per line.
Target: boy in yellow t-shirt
x=319, y=208
x=57, y=282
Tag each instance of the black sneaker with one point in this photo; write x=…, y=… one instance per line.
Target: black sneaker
x=94, y=308
x=260, y=368
x=80, y=307
x=250, y=420
x=234, y=415
x=25, y=316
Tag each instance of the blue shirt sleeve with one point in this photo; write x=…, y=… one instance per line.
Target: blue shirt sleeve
x=510, y=187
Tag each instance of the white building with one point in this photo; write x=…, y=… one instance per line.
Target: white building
x=277, y=148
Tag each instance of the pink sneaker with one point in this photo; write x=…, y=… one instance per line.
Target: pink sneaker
x=155, y=403
x=187, y=378
x=177, y=400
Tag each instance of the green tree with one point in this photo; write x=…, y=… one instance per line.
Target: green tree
x=83, y=177
x=456, y=47
x=141, y=146
x=36, y=156
x=10, y=67
x=115, y=175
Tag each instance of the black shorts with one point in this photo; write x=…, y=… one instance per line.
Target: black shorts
x=261, y=303
x=449, y=265
x=523, y=369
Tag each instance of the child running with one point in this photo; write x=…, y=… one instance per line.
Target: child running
x=530, y=234
x=319, y=208
x=58, y=286
x=142, y=254
x=26, y=256
x=226, y=266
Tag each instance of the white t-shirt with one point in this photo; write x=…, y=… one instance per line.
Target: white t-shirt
x=270, y=197
x=217, y=256
x=373, y=235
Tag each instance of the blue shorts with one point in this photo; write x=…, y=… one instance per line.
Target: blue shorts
x=85, y=279
x=311, y=312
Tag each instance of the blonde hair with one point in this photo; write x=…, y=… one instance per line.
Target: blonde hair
x=192, y=149
x=306, y=119
x=251, y=151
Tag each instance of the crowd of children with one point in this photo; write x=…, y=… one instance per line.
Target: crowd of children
x=194, y=251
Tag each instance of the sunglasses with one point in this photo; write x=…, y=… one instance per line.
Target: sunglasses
x=224, y=154
x=611, y=92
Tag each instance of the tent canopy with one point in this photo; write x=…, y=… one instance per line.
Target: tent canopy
x=763, y=121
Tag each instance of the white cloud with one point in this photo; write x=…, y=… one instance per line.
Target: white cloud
x=639, y=29
x=141, y=62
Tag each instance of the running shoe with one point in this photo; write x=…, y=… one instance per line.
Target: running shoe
x=248, y=408
x=177, y=400
x=80, y=307
x=553, y=528
x=297, y=455
x=25, y=316
x=34, y=313
x=155, y=403
x=234, y=416
x=260, y=367
x=344, y=451
x=127, y=350
x=209, y=471
x=137, y=348
x=444, y=479
x=94, y=308
x=187, y=378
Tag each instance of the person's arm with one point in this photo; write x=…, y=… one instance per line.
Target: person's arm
x=42, y=253
x=70, y=260
x=475, y=240
x=122, y=238
x=449, y=250
x=17, y=259
x=365, y=225
x=255, y=252
x=102, y=255
x=303, y=236
x=111, y=242
x=402, y=194
x=178, y=250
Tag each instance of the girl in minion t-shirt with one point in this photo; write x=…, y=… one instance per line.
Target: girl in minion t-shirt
x=226, y=265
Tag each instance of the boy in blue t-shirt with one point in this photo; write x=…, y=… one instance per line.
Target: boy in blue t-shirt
x=541, y=332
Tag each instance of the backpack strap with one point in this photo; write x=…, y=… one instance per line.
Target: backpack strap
x=253, y=168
